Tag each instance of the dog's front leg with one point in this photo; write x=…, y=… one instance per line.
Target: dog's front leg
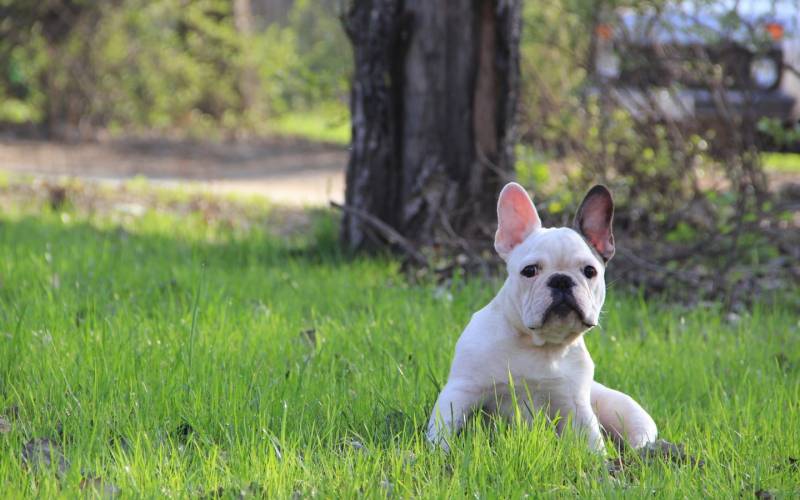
x=584, y=420
x=454, y=405
x=622, y=417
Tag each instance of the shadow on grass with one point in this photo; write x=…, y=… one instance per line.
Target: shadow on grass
x=319, y=244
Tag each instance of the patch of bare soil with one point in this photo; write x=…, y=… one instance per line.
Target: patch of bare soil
x=286, y=171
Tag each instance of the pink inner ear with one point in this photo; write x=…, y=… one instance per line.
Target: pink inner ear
x=596, y=225
x=601, y=240
x=517, y=218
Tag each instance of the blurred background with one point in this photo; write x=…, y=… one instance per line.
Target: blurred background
x=408, y=116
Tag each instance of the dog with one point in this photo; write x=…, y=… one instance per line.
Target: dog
x=529, y=338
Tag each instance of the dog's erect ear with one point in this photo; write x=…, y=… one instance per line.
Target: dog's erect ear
x=516, y=219
x=594, y=219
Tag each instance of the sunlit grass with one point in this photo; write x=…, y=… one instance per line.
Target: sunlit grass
x=781, y=162
x=324, y=125
x=180, y=356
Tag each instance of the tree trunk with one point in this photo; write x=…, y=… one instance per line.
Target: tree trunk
x=433, y=107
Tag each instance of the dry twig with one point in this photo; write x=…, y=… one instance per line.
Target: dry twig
x=386, y=231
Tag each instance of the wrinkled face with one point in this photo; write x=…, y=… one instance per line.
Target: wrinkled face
x=556, y=284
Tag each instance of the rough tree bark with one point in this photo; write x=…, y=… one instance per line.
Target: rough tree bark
x=433, y=108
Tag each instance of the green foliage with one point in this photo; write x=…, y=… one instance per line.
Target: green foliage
x=531, y=168
x=167, y=64
x=682, y=233
x=21, y=99
x=778, y=132
x=173, y=64
x=181, y=356
x=553, y=37
x=323, y=66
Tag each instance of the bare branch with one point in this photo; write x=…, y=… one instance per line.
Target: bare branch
x=392, y=236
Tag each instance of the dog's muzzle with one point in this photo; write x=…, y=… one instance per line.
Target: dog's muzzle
x=563, y=301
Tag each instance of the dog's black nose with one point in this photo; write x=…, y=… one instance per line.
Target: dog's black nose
x=560, y=282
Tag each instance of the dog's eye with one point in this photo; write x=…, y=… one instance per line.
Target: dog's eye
x=590, y=272
x=530, y=271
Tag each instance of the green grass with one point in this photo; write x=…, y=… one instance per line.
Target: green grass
x=330, y=125
x=125, y=331
x=788, y=163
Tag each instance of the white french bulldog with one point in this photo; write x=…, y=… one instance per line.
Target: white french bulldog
x=531, y=333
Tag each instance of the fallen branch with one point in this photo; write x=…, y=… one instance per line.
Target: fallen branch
x=391, y=235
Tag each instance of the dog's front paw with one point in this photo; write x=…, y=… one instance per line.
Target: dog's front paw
x=643, y=436
x=598, y=445
x=437, y=440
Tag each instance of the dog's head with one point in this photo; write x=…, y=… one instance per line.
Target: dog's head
x=555, y=275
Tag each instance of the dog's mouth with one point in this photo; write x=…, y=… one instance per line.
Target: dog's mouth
x=562, y=306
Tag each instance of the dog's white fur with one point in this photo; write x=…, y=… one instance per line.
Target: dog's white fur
x=514, y=343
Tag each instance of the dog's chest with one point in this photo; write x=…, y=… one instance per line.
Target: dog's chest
x=539, y=376
x=534, y=383
x=542, y=367
x=499, y=361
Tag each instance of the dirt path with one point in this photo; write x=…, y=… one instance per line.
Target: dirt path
x=288, y=172
x=285, y=171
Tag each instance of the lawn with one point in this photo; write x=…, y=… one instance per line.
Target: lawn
x=177, y=355
x=326, y=124
x=787, y=163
